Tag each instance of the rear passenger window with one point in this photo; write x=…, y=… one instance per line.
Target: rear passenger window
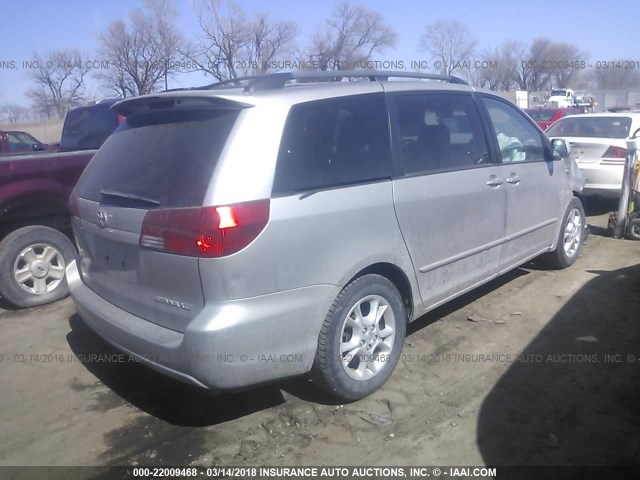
x=334, y=142
x=518, y=139
x=439, y=132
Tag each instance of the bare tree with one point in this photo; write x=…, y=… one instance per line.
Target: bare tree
x=269, y=41
x=15, y=113
x=511, y=54
x=225, y=39
x=486, y=72
x=350, y=38
x=143, y=54
x=450, y=44
x=533, y=74
x=501, y=66
x=614, y=78
x=232, y=45
x=169, y=40
x=59, y=79
x=567, y=62
x=549, y=64
x=543, y=64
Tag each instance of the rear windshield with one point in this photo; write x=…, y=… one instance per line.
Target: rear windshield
x=87, y=128
x=541, y=115
x=164, y=157
x=598, y=127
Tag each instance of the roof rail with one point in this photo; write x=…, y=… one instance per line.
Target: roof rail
x=276, y=81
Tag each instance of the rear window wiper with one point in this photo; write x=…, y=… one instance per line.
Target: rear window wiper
x=129, y=196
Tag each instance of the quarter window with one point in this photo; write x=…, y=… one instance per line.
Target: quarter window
x=438, y=132
x=518, y=139
x=334, y=142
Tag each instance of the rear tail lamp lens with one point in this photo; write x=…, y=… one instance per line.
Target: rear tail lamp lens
x=204, y=231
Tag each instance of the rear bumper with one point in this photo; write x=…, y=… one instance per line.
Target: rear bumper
x=228, y=345
x=602, y=179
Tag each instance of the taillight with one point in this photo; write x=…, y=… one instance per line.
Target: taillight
x=204, y=231
x=615, y=152
x=74, y=204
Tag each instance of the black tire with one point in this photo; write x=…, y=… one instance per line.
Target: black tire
x=37, y=237
x=633, y=229
x=560, y=258
x=328, y=371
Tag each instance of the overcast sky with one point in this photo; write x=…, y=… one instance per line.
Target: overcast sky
x=606, y=30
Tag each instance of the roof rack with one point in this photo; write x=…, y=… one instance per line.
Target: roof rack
x=276, y=81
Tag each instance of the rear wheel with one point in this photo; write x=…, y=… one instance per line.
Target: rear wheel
x=570, y=239
x=32, y=266
x=361, y=339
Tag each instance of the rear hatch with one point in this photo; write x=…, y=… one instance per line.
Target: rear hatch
x=158, y=164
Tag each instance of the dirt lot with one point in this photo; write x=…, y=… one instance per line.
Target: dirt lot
x=548, y=374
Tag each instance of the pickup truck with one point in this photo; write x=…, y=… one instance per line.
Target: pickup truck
x=35, y=234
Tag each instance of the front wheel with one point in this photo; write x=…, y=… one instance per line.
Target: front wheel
x=569, y=241
x=361, y=339
x=32, y=266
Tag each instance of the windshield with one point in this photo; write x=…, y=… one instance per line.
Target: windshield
x=164, y=158
x=558, y=93
x=599, y=127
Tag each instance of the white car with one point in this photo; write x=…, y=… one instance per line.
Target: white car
x=599, y=146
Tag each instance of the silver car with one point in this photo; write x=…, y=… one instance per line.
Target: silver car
x=599, y=146
x=292, y=223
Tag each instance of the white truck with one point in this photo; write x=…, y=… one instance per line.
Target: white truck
x=566, y=97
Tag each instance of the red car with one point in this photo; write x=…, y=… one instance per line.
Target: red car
x=15, y=142
x=547, y=116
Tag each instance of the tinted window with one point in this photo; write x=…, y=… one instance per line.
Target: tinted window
x=334, y=142
x=167, y=157
x=87, y=128
x=439, y=131
x=519, y=141
x=541, y=115
x=601, y=127
x=18, y=142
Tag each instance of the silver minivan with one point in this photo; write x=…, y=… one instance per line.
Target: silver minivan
x=274, y=226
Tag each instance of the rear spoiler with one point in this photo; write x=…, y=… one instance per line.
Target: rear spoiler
x=149, y=103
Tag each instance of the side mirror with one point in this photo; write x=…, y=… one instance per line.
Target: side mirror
x=37, y=147
x=561, y=148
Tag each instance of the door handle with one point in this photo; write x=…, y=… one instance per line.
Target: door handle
x=494, y=181
x=513, y=179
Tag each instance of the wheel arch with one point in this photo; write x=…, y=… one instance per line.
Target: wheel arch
x=395, y=275
x=49, y=210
